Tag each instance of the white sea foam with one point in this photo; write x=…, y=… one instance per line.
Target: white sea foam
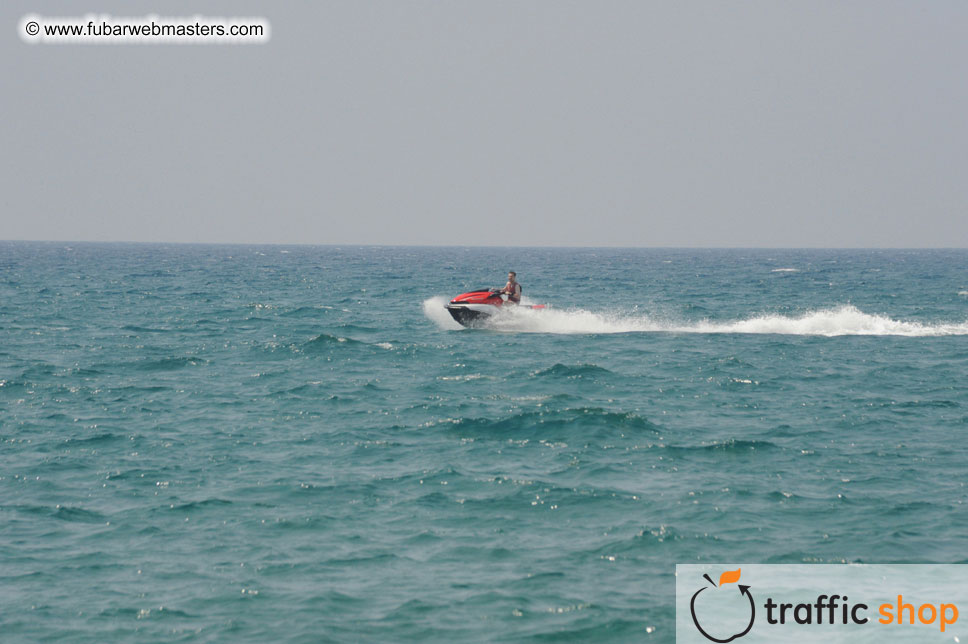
x=843, y=320
x=785, y=270
x=434, y=310
x=467, y=377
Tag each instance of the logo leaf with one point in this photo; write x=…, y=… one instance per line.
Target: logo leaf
x=729, y=577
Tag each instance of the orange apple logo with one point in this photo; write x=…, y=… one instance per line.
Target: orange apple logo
x=728, y=577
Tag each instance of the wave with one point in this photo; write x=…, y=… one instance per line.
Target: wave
x=143, y=329
x=80, y=515
x=303, y=311
x=579, y=420
x=731, y=445
x=326, y=340
x=574, y=371
x=168, y=364
x=842, y=320
x=191, y=506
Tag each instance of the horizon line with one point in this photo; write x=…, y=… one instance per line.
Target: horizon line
x=522, y=246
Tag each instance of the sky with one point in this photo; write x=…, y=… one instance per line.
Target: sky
x=507, y=123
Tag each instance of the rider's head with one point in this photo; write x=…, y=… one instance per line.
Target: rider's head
x=511, y=276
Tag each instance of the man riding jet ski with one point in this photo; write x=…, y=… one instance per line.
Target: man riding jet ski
x=512, y=289
x=475, y=307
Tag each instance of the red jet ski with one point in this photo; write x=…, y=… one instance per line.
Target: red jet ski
x=474, y=308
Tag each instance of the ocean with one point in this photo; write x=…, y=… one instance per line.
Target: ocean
x=296, y=444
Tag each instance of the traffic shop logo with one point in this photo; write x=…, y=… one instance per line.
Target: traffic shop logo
x=724, y=594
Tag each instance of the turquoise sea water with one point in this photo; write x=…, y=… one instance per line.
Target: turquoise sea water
x=296, y=444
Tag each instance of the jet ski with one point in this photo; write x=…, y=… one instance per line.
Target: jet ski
x=475, y=308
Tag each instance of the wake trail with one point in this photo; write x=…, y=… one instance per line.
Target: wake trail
x=842, y=320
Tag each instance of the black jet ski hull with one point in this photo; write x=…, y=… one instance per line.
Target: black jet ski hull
x=471, y=314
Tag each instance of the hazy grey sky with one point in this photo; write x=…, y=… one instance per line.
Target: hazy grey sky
x=526, y=123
